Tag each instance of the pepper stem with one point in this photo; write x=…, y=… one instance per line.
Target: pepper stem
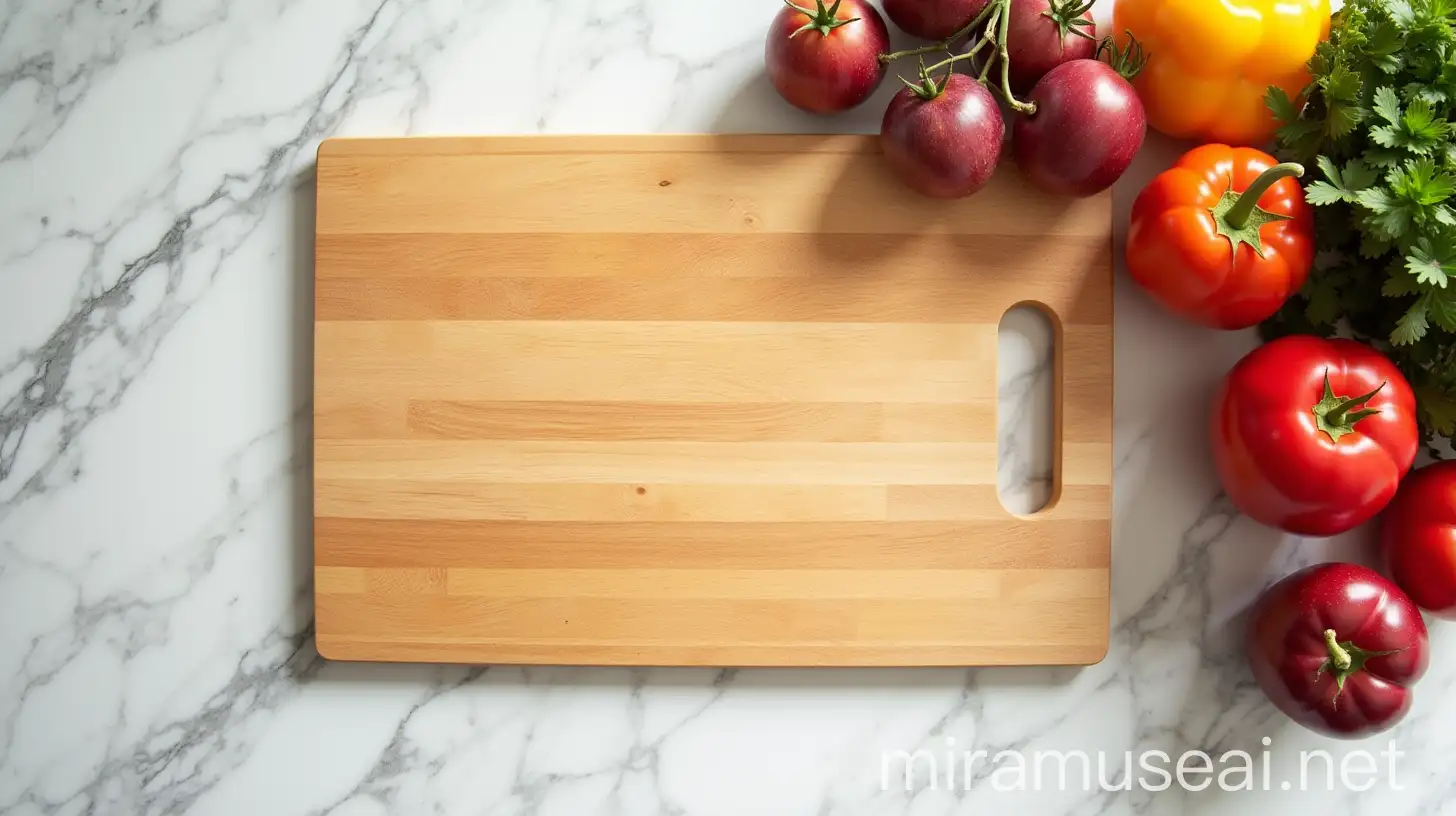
x=1339, y=658
x=1345, y=660
x=1238, y=215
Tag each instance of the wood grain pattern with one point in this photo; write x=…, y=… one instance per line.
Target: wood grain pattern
x=695, y=400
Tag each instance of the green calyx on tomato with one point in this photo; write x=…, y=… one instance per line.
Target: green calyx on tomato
x=821, y=19
x=1238, y=216
x=1332, y=413
x=927, y=88
x=1127, y=60
x=1345, y=659
x=1067, y=14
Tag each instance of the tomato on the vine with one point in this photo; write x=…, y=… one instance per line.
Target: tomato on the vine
x=827, y=60
x=1313, y=436
x=943, y=138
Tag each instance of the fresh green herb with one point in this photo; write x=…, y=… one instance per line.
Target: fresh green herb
x=1378, y=124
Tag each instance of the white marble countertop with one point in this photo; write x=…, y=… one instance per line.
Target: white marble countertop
x=155, y=649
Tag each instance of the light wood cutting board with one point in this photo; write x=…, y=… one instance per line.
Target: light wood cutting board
x=695, y=400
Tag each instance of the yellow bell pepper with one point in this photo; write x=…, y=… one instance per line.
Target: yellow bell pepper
x=1211, y=62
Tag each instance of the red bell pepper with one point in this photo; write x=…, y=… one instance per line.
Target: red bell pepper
x=1337, y=647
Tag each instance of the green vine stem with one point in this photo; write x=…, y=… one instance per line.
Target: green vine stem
x=1028, y=108
x=993, y=22
x=945, y=44
x=982, y=42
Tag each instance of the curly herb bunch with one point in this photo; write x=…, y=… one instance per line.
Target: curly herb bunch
x=1378, y=124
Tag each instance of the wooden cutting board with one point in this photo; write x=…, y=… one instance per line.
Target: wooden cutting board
x=695, y=400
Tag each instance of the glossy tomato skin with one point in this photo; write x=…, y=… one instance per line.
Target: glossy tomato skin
x=1279, y=468
x=947, y=147
x=1036, y=45
x=1176, y=254
x=932, y=19
x=1088, y=127
x=1288, y=653
x=1418, y=538
x=830, y=73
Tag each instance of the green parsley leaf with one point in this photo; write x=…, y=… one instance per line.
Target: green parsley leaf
x=1384, y=45
x=1387, y=104
x=1342, y=186
x=1379, y=121
x=1432, y=260
x=1280, y=104
x=1373, y=246
x=1438, y=409
x=1442, y=308
x=1423, y=131
x=1341, y=119
x=1421, y=183
x=1376, y=199
x=1325, y=304
x=1402, y=13
x=1401, y=285
x=1321, y=193
x=1342, y=84
x=1412, y=326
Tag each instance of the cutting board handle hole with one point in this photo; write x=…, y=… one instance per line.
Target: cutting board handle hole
x=1027, y=370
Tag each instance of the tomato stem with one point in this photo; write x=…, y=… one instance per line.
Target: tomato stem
x=1028, y=108
x=1332, y=413
x=1129, y=61
x=821, y=19
x=1067, y=14
x=945, y=44
x=971, y=54
x=993, y=22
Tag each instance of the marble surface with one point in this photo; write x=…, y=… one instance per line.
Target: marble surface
x=155, y=650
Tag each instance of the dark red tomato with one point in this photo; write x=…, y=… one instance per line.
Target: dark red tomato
x=827, y=60
x=1088, y=126
x=945, y=144
x=1418, y=538
x=1042, y=34
x=933, y=19
x=1313, y=436
x=1337, y=647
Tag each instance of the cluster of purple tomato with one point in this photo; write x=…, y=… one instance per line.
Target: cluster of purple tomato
x=1075, y=133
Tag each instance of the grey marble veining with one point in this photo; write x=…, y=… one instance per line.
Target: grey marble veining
x=155, y=648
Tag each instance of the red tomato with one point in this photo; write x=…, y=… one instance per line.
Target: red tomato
x=1313, y=436
x=1418, y=538
x=1337, y=648
x=944, y=140
x=827, y=60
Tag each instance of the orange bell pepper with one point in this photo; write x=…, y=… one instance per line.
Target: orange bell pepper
x=1211, y=62
x=1223, y=237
